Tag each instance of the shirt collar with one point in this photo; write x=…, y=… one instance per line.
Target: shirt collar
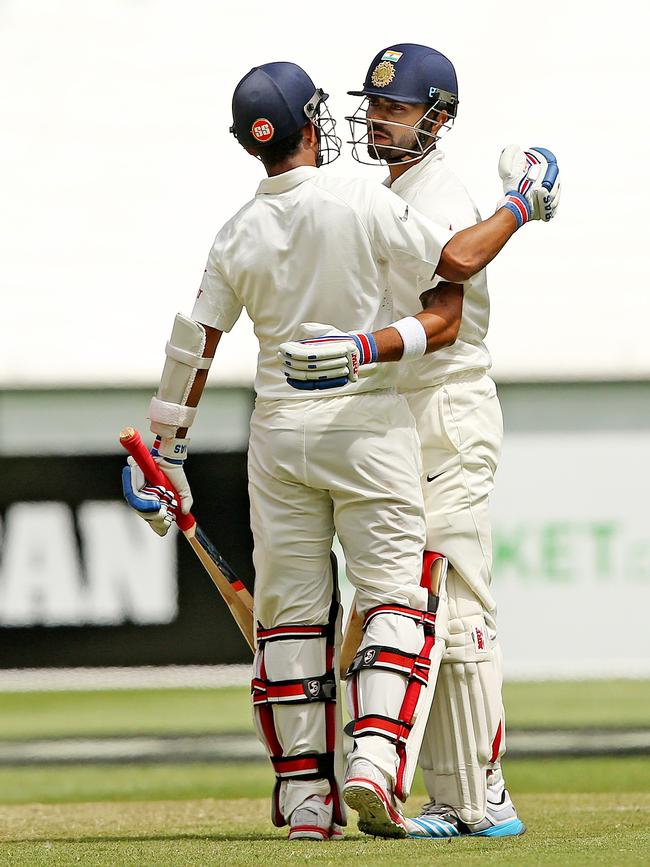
x=286, y=181
x=414, y=172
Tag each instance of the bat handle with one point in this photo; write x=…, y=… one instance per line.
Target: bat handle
x=132, y=442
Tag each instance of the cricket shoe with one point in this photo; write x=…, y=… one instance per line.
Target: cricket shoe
x=439, y=821
x=366, y=791
x=312, y=820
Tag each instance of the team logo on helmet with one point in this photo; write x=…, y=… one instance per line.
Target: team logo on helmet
x=383, y=74
x=262, y=129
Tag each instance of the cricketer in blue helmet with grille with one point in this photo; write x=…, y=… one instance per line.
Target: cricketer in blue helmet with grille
x=410, y=98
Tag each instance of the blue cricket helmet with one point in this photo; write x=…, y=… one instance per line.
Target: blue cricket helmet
x=269, y=103
x=413, y=74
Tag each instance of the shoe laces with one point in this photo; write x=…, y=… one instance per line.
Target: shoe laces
x=433, y=809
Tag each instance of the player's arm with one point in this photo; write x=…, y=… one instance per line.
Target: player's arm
x=531, y=185
x=172, y=410
x=331, y=358
x=440, y=321
x=471, y=249
x=189, y=353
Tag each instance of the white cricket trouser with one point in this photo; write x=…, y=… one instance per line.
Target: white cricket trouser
x=350, y=463
x=461, y=430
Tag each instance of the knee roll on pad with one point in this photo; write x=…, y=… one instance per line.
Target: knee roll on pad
x=184, y=351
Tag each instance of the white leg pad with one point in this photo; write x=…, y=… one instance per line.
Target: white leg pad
x=290, y=724
x=381, y=693
x=464, y=734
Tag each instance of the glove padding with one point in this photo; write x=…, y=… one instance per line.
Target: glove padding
x=156, y=504
x=328, y=358
x=531, y=183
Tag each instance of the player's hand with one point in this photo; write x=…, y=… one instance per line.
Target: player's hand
x=158, y=505
x=155, y=504
x=531, y=183
x=328, y=358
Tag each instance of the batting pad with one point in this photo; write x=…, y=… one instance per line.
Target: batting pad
x=464, y=737
x=299, y=719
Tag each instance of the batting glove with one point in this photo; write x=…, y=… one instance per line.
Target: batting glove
x=155, y=504
x=531, y=183
x=328, y=359
x=170, y=454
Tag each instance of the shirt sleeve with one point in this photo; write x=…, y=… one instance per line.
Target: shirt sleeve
x=403, y=236
x=216, y=303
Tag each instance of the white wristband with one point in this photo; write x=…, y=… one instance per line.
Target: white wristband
x=413, y=336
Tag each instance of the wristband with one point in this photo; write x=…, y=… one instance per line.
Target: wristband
x=414, y=337
x=366, y=345
x=517, y=205
x=171, y=449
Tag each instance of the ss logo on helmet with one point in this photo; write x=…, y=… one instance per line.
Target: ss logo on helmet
x=262, y=129
x=313, y=687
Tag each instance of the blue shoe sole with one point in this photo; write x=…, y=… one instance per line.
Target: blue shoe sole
x=511, y=828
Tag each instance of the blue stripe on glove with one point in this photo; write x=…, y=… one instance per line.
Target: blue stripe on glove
x=552, y=170
x=311, y=384
x=140, y=504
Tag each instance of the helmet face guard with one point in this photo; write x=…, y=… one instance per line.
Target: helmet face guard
x=329, y=144
x=362, y=132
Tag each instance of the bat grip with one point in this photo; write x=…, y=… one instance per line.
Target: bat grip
x=132, y=442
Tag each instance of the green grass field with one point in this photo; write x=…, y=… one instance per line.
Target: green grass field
x=578, y=811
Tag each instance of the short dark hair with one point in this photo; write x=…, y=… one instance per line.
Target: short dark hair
x=275, y=153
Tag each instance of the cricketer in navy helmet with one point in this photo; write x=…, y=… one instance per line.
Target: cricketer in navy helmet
x=410, y=98
x=308, y=247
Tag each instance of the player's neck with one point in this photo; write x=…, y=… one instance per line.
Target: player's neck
x=302, y=158
x=398, y=169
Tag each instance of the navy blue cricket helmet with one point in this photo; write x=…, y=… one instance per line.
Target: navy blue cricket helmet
x=405, y=73
x=273, y=101
x=413, y=74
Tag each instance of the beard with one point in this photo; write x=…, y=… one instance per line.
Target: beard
x=403, y=145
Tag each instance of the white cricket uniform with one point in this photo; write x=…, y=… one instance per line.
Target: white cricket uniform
x=311, y=247
x=460, y=425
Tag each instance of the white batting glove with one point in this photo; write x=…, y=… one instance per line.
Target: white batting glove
x=170, y=455
x=155, y=504
x=531, y=183
x=328, y=358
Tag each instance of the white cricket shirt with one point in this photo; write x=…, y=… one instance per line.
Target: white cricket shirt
x=438, y=194
x=315, y=248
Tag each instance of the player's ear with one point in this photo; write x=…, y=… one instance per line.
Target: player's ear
x=310, y=137
x=441, y=119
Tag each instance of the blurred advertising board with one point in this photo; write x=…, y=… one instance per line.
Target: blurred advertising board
x=83, y=582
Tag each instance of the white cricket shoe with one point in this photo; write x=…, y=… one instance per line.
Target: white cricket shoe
x=437, y=821
x=366, y=791
x=312, y=820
